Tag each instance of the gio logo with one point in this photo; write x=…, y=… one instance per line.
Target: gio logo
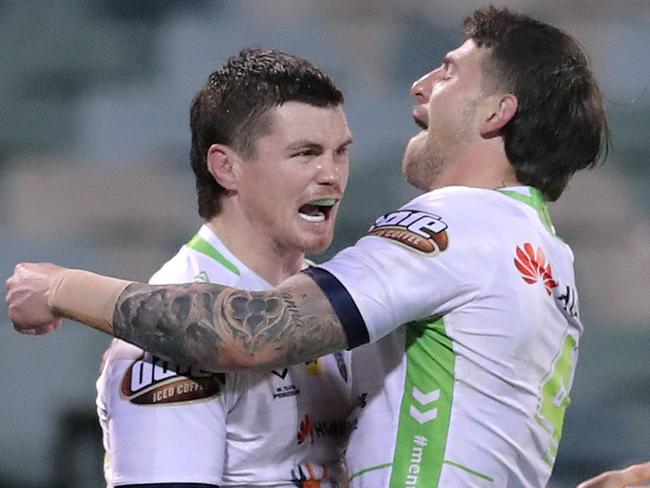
x=422, y=401
x=418, y=230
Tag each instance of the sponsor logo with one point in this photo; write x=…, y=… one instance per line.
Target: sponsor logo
x=533, y=267
x=569, y=301
x=280, y=389
x=152, y=381
x=202, y=277
x=305, y=430
x=280, y=374
x=424, y=400
x=314, y=368
x=322, y=429
x=309, y=475
x=415, y=229
x=285, y=391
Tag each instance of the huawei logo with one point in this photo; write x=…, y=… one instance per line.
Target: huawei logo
x=533, y=267
x=306, y=430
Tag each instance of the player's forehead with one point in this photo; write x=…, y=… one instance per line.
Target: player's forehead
x=293, y=122
x=468, y=54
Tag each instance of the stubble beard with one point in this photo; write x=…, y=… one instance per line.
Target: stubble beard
x=318, y=246
x=317, y=243
x=423, y=163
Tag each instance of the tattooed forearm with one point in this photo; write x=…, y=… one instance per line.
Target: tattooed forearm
x=171, y=322
x=218, y=328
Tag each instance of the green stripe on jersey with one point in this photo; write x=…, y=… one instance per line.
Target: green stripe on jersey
x=554, y=395
x=199, y=244
x=367, y=470
x=468, y=470
x=425, y=412
x=535, y=200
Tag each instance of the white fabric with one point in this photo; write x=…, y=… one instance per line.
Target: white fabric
x=248, y=433
x=481, y=411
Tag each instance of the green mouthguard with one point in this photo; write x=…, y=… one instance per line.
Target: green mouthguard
x=324, y=202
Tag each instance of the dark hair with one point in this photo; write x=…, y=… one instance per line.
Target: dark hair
x=232, y=108
x=560, y=126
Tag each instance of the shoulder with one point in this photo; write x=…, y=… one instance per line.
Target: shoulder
x=190, y=265
x=181, y=268
x=430, y=221
x=454, y=200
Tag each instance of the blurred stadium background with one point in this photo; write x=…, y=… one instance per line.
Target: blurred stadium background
x=94, y=173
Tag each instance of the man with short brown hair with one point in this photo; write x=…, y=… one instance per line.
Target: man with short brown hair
x=269, y=154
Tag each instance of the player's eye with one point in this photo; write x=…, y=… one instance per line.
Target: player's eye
x=447, y=69
x=447, y=72
x=303, y=153
x=342, y=151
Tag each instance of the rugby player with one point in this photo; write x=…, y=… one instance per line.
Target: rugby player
x=269, y=154
x=466, y=295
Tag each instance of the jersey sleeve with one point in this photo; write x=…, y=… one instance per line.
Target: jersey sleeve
x=422, y=260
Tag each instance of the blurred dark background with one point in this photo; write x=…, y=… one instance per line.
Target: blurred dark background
x=94, y=173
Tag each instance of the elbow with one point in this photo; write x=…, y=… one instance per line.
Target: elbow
x=255, y=361
x=232, y=362
x=242, y=362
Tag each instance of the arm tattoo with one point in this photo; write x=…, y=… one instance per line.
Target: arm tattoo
x=218, y=328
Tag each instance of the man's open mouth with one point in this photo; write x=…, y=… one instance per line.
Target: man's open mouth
x=420, y=123
x=317, y=210
x=419, y=117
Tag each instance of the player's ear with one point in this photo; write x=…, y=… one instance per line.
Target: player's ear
x=222, y=162
x=499, y=111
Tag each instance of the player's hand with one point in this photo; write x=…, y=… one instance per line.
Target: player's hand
x=624, y=478
x=27, y=298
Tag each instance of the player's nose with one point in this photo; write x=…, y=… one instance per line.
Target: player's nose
x=421, y=88
x=330, y=173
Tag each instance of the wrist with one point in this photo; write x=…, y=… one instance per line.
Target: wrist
x=85, y=297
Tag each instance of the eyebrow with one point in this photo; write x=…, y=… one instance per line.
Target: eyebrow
x=347, y=142
x=304, y=143
x=310, y=144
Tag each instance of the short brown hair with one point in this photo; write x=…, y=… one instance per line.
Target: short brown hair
x=560, y=126
x=232, y=108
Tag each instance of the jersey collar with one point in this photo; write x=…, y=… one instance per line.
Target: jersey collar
x=533, y=197
x=206, y=242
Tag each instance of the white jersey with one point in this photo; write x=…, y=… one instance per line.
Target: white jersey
x=472, y=391
x=166, y=423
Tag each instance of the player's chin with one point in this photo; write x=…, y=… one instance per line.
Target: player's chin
x=414, y=166
x=318, y=243
x=413, y=151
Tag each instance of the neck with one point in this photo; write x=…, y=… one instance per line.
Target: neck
x=480, y=166
x=254, y=248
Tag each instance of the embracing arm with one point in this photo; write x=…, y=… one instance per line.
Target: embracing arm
x=220, y=328
x=213, y=327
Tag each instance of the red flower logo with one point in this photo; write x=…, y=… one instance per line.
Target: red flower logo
x=533, y=267
x=306, y=430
